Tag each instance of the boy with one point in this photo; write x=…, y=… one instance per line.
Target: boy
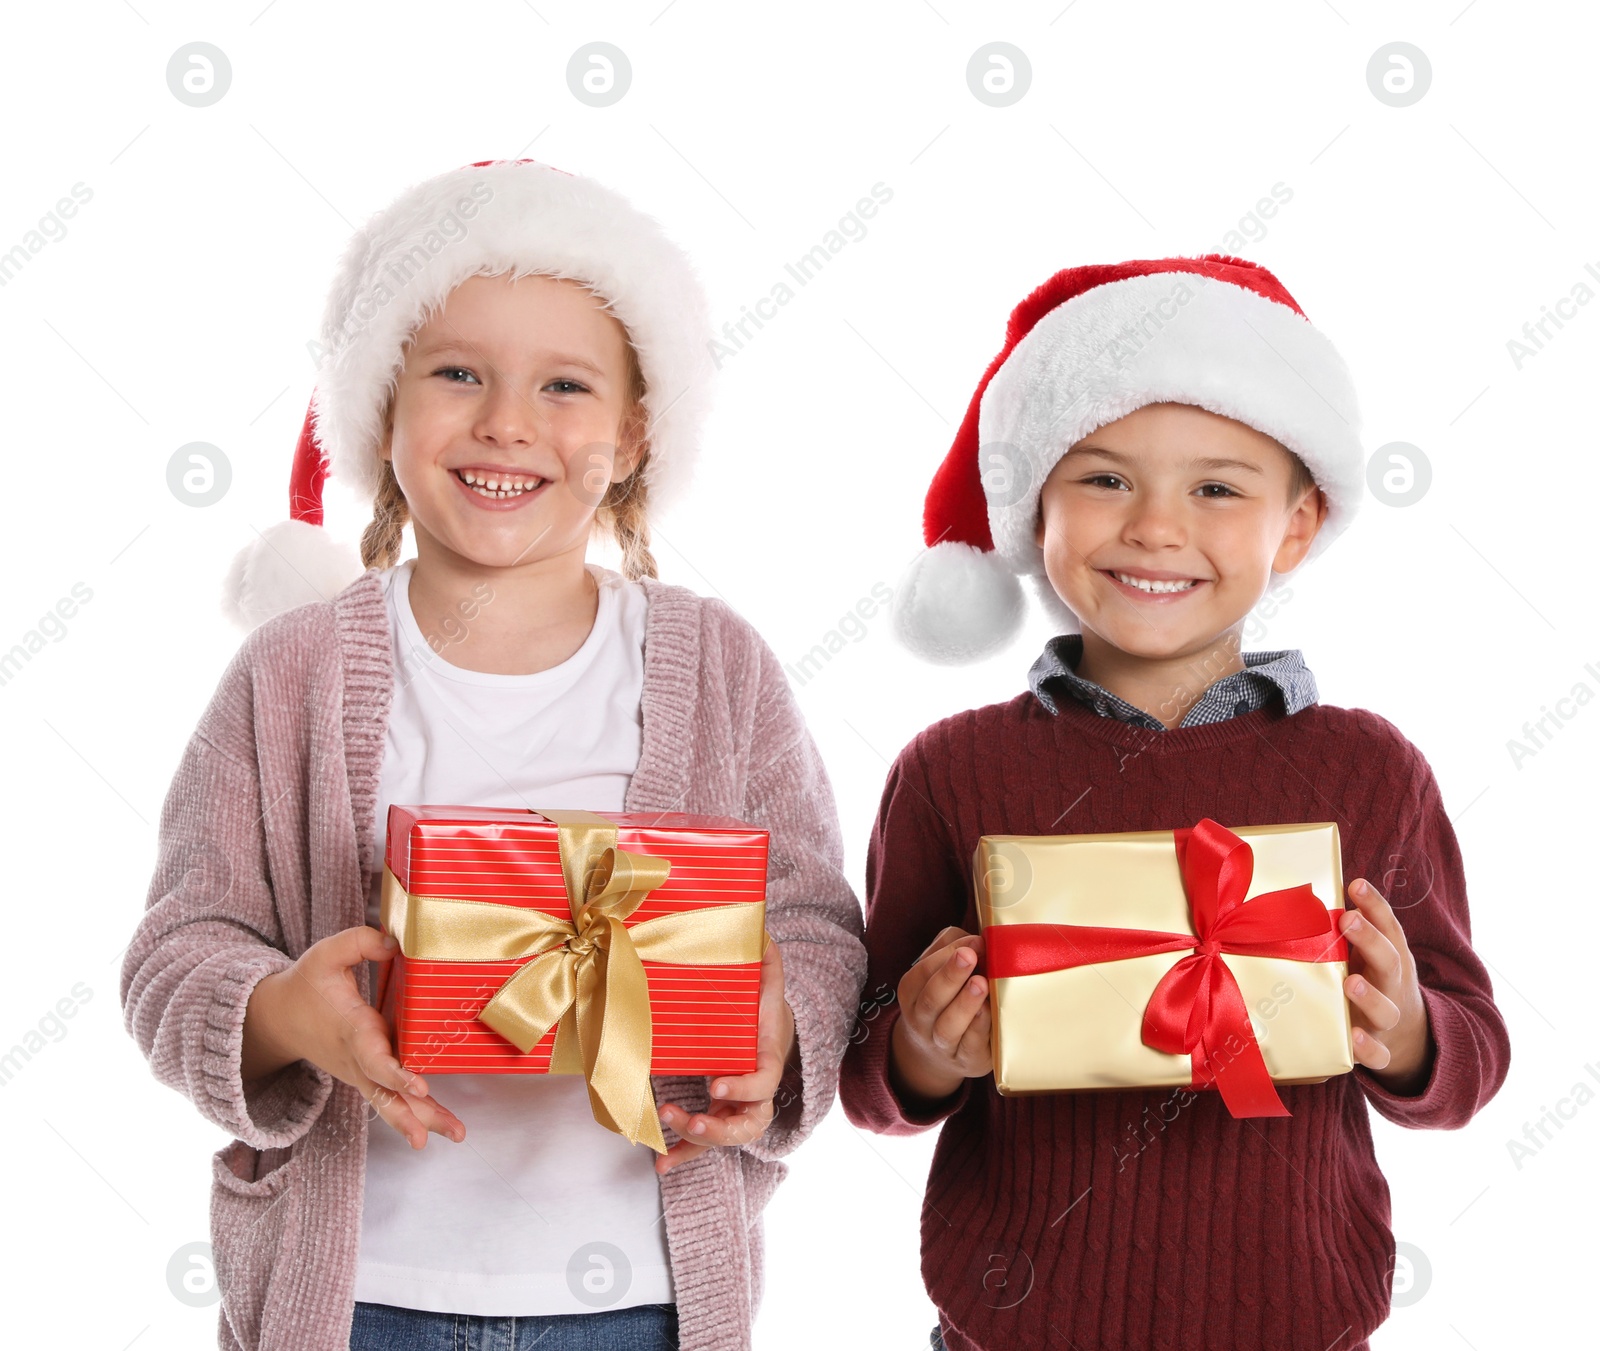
x=1157, y=439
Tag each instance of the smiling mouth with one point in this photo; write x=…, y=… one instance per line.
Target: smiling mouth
x=1155, y=588
x=499, y=486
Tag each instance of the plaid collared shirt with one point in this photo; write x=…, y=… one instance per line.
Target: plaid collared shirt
x=1266, y=674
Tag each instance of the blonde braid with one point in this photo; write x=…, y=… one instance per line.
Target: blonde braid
x=624, y=506
x=380, y=541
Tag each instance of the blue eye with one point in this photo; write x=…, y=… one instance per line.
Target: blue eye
x=570, y=387
x=451, y=371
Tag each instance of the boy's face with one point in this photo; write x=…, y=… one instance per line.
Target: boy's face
x=521, y=385
x=1161, y=530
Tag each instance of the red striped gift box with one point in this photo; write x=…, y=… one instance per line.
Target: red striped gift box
x=703, y=1017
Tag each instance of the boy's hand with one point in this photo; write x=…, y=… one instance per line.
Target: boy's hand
x=941, y=1037
x=314, y=1011
x=1390, y=1027
x=742, y=1106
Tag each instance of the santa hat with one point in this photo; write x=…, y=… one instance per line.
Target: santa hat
x=1088, y=347
x=487, y=218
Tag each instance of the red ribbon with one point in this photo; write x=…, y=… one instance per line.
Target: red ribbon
x=1197, y=1008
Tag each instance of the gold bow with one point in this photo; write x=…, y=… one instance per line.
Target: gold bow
x=588, y=978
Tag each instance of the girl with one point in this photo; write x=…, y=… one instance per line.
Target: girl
x=512, y=354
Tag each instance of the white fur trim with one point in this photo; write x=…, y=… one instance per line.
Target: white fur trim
x=1173, y=337
x=526, y=218
x=957, y=604
x=289, y=564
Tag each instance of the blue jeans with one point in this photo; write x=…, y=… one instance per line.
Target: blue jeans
x=645, y=1327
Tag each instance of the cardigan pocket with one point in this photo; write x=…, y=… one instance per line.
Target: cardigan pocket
x=256, y=1241
x=248, y=1171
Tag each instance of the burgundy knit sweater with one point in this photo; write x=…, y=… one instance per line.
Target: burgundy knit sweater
x=1120, y=1219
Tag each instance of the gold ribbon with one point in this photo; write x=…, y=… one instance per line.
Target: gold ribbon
x=588, y=977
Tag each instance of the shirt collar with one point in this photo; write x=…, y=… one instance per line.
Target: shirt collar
x=1266, y=673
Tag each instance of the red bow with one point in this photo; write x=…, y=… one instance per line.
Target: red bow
x=1197, y=1009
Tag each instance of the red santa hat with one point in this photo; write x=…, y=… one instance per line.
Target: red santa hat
x=484, y=219
x=1089, y=346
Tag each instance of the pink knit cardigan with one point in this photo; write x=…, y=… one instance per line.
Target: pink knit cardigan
x=265, y=848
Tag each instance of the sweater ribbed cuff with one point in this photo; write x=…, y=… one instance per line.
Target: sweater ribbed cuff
x=811, y=979
x=267, y=1113
x=887, y=1112
x=1447, y=1101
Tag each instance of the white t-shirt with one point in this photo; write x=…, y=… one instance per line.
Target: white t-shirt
x=507, y=1221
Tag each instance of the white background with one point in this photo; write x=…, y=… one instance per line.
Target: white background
x=179, y=305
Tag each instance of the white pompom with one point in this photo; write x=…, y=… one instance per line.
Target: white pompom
x=288, y=565
x=957, y=604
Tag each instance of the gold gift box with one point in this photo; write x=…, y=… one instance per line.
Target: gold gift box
x=1081, y=1028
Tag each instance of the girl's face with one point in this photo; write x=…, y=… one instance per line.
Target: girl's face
x=506, y=419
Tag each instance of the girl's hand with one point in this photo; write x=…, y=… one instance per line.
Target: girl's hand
x=314, y=1011
x=1390, y=1024
x=743, y=1106
x=941, y=1037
